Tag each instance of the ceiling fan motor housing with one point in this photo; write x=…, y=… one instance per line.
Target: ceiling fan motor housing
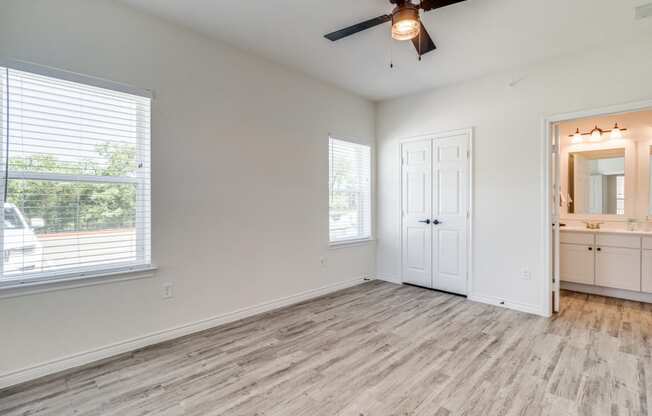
x=405, y=11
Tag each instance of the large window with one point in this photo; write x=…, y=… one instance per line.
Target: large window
x=74, y=178
x=350, y=191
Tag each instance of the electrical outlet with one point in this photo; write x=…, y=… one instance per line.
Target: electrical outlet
x=525, y=274
x=167, y=291
x=323, y=261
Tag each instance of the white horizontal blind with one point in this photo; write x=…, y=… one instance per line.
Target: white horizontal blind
x=350, y=191
x=76, y=165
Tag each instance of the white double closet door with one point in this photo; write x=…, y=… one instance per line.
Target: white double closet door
x=434, y=212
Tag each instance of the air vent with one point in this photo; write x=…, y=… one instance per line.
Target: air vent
x=644, y=11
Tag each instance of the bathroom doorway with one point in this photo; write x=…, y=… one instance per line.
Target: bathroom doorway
x=598, y=200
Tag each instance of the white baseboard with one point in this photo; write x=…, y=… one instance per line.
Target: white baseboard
x=491, y=300
x=606, y=291
x=64, y=363
x=388, y=278
x=522, y=307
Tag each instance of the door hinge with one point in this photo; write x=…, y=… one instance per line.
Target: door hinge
x=468, y=154
x=555, y=148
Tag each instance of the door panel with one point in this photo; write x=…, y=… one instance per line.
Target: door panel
x=416, y=236
x=449, y=191
x=618, y=268
x=449, y=252
x=416, y=192
x=450, y=202
x=577, y=263
x=415, y=241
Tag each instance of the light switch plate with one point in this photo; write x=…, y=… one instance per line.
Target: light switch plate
x=167, y=291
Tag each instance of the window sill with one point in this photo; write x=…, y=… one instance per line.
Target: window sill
x=74, y=280
x=350, y=243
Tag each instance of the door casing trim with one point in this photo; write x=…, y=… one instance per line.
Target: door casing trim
x=546, y=196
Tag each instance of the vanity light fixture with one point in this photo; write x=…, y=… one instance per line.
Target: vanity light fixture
x=596, y=134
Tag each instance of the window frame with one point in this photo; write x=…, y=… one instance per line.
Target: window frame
x=358, y=240
x=86, y=275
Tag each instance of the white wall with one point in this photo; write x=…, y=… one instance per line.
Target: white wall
x=240, y=185
x=507, y=156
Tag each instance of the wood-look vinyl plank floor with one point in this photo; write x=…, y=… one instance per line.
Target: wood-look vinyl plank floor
x=375, y=349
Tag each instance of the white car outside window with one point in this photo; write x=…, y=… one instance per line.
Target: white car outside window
x=22, y=250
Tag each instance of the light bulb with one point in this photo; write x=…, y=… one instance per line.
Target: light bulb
x=406, y=29
x=616, y=133
x=577, y=137
x=596, y=134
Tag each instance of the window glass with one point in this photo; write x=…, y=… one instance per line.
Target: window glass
x=75, y=175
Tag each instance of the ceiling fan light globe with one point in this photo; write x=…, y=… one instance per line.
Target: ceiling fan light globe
x=406, y=29
x=405, y=23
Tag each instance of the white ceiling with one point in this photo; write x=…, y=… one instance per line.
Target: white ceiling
x=473, y=38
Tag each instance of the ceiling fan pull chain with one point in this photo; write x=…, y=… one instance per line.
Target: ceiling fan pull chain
x=391, y=54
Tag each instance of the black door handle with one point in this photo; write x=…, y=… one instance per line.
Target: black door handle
x=425, y=221
x=436, y=222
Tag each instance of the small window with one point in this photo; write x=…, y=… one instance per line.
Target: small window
x=620, y=195
x=349, y=191
x=74, y=178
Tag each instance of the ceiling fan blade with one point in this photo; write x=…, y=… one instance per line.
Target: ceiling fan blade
x=342, y=33
x=423, y=43
x=427, y=5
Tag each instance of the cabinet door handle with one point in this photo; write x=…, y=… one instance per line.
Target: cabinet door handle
x=590, y=248
x=599, y=249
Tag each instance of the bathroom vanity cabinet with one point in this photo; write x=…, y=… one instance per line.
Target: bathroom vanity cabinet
x=609, y=259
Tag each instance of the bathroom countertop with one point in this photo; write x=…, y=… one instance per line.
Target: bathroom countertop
x=605, y=230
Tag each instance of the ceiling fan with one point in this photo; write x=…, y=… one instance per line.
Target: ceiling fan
x=406, y=24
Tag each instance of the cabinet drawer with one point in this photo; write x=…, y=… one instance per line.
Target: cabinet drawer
x=618, y=240
x=576, y=263
x=574, y=237
x=618, y=268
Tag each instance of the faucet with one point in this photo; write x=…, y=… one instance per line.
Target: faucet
x=592, y=225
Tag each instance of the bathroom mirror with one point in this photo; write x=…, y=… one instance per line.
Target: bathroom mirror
x=596, y=182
